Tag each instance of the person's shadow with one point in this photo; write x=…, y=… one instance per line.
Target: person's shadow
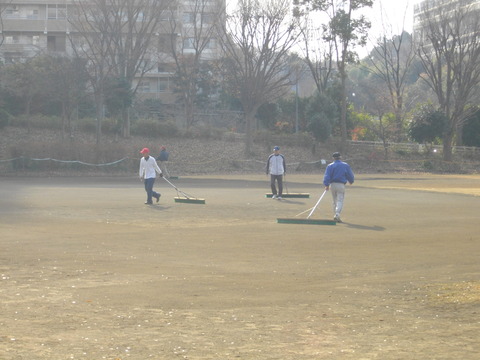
x=289, y=201
x=159, y=207
x=364, y=227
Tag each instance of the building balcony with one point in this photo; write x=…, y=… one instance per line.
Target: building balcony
x=34, y=26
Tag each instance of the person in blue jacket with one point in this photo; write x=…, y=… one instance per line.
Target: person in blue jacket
x=163, y=158
x=337, y=174
x=276, y=167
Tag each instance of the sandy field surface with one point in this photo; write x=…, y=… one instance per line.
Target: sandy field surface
x=87, y=271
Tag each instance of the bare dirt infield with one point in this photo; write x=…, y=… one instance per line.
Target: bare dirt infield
x=87, y=271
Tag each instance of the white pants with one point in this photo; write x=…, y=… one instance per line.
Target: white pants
x=338, y=194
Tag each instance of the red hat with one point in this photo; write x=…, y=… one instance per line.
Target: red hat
x=145, y=151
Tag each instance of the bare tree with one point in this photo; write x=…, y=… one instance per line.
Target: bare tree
x=377, y=101
x=317, y=53
x=26, y=80
x=136, y=25
x=3, y=7
x=67, y=78
x=259, y=35
x=90, y=40
x=391, y=61
x=194, y=41
x=344, y=30
x=449, y=49
x=118, y=38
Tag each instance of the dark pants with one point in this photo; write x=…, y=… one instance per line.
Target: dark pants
x=149, y=189
x=279, y=180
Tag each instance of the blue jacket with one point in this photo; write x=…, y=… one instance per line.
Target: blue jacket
x=338, y=172
x=163, y=156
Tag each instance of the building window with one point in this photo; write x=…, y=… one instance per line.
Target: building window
x=56, y=12
x=12, y=13
x=164, y=43
x=14, y=39
x=162, y=68
x=35, y=40
x=208, y=18
x=189, y=43
x=211, y=44
x=32, y=14
x=144, y=86
x=188, y=17
x=165, y=15
x=201, y=2
x=162, y=85
x=56, y=43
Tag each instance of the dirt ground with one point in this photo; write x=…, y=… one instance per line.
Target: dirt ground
x=87, y=271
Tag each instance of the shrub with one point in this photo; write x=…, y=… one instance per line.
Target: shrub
x=168, y=128
x=110, y=126
x=203, y=132
x=154, y=128
x=88, y=125
x=37, y=121
x=427, y=125
x=428, y=165
x=267, y=138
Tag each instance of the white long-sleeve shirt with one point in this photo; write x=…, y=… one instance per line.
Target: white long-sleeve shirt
x=148, y=167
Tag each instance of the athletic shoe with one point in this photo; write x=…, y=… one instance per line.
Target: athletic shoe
x=148, y=203
x=274, y=196
x=158, y=197
x=279, y=197
x=337, y=219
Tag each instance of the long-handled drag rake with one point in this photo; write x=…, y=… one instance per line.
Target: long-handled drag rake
x=186, y=198
x=308, y=220
x=289, y=194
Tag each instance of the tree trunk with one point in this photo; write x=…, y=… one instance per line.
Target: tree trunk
x=99, y=103
x=249, y=129
x=383, y=136
x=126, y=122
x=459, y=135
x=189, y=113
x=70, y=126
x=27, y=113
x=64, y=120
x=398, y=119
x=343, y=113
x=448, y=145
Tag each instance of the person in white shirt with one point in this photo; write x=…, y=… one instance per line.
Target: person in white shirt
x=148, y=172
x=276, y=167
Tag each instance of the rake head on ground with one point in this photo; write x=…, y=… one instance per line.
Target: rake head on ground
x=186, y=198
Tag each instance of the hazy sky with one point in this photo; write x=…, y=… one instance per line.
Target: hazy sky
x=387, y=17
x=393, y=13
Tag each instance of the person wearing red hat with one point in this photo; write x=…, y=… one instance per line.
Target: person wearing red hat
x=148, y=172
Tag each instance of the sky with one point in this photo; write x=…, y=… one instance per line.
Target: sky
x=389, y=17
x=393, y=13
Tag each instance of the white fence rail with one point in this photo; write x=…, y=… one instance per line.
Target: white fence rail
x=413, y=147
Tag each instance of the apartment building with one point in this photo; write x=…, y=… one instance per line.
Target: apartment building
x=429, y=9
x=32, y=27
